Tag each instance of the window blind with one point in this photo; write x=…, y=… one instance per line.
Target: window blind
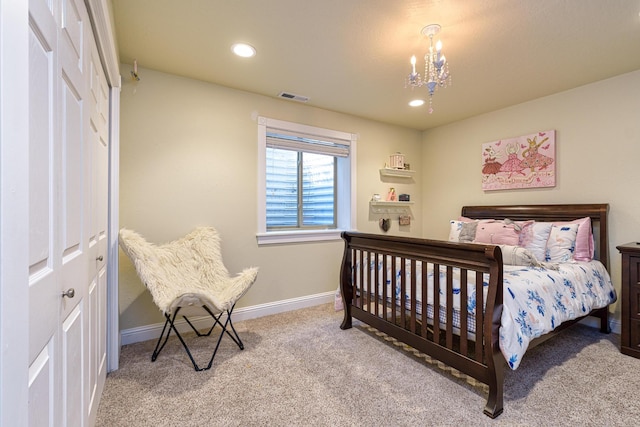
x=278, y=138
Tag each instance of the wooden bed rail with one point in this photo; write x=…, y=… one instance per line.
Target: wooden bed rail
x=465, y=340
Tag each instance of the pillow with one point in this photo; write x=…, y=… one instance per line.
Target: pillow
x=517, y=255
x=562, y=243
x=463, y=229
x=454, y=230
x=585, y=247
x=496, y=233
x=468, y=232
x=534, y=237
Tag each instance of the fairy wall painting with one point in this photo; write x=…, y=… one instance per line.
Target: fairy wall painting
x=527, y=161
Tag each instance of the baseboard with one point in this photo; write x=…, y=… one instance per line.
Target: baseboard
x=152, y=332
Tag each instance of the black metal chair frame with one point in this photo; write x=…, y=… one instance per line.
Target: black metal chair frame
x=170, y=322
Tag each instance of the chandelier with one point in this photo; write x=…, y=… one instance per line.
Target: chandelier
x=436, y=68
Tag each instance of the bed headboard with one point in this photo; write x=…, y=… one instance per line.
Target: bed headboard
x=597, y=212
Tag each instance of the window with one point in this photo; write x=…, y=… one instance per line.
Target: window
x=305, y=182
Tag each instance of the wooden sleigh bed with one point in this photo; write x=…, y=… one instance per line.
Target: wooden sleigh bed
x=466, y=340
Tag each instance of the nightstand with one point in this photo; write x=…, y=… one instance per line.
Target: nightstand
x=630, y=301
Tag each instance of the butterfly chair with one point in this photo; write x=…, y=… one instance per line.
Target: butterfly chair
x=185, y=274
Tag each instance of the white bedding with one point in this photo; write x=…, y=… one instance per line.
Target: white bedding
x=536, y=300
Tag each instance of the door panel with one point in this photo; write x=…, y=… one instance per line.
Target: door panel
x=72, y=172
x=41, y=388
x=97, y=137
x=44, y=291
x=75, y=202
x=72, y=354
x=72, y=31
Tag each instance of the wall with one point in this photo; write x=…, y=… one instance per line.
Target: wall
x=597, y=153
x=188, y=157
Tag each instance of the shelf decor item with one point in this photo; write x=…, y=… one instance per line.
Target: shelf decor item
x=396, y=161
x=391, y=196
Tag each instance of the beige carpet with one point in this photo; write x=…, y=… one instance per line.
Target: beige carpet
x=300, y=369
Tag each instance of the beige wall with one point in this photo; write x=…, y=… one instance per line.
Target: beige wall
x=188, y=157
x=597, y=153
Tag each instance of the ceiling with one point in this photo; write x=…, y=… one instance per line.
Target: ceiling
x=352, y=56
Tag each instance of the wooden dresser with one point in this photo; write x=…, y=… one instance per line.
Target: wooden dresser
x=630, y=300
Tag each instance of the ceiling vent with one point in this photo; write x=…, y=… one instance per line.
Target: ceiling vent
x=293, y=97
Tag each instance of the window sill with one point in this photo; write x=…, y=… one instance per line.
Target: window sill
x=298, y=236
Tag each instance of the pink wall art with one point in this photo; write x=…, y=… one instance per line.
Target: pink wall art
x=527, y=161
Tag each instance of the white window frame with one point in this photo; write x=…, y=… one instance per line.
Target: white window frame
x=346, y=197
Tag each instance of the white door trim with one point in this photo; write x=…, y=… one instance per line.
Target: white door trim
x=14, y=211
x=113, y=311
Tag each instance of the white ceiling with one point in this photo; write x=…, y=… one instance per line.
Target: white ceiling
x=352, y=56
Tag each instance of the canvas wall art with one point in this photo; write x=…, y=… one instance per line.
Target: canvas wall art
x=527, y=161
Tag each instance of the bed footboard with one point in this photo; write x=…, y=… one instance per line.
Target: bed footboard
x=429, y=294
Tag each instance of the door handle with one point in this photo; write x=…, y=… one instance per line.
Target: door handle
x=100, y=258
x=69, y=293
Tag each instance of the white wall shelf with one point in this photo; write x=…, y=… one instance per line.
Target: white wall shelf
x=397, y=173
x=383, y=207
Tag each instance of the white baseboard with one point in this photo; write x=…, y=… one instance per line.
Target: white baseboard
x=152, y=332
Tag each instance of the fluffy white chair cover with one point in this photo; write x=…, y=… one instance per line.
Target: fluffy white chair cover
x=187, y=271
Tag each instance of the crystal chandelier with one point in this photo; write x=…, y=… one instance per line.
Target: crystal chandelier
x=436, y=68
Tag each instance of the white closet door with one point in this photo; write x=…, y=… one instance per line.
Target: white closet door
x=44, y=287
x=68, y=168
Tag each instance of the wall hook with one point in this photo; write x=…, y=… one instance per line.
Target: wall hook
x=134, y=72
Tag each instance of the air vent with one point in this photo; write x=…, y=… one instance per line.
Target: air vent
x=293, y=97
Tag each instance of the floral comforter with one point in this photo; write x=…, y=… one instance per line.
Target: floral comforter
x=535, y=301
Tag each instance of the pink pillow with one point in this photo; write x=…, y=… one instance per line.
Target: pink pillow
x=584, y=239
x=497, y=233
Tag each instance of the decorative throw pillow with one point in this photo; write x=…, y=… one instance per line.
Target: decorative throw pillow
x=562, y=243
x=534, y=237
x=468, y=232
x=497, y=233
x=585, y=247
x=517, y=255
x=454, y=230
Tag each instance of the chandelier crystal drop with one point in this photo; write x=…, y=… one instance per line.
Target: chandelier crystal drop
x=436, y=67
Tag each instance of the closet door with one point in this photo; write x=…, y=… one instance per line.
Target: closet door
x=67, y=216
x=97, y=133
x=74, y=195
x=45, y=301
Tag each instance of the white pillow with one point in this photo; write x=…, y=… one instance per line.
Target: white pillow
x=454, y=230
x=517, y=255
x=562, y=243
x=534, y=237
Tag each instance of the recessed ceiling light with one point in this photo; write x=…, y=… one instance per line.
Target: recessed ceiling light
x=416, y=102
x=244, y=50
